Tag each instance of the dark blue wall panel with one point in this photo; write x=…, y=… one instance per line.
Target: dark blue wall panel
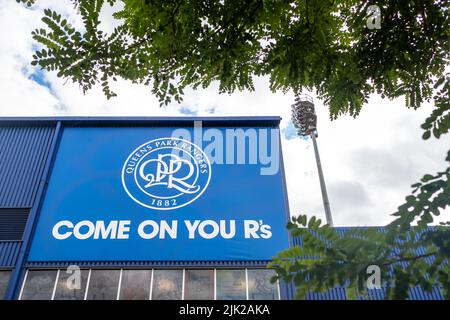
x=23, y=154
x=12, y=223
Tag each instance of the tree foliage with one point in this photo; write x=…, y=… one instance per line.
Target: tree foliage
x=315, y=44
x=417, y=256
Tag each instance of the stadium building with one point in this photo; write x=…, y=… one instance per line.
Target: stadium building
x=144, y=208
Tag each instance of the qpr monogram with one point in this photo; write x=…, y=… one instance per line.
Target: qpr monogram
x=166, y=173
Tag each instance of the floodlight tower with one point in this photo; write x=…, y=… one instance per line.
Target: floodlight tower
x=304, y=119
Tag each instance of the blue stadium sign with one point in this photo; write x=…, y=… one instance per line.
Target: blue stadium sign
x=163, y=193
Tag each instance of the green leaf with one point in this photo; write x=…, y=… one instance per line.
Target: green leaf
x=427, y=178
x=426, y=135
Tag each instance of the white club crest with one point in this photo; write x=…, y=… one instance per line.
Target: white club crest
x=166, y=173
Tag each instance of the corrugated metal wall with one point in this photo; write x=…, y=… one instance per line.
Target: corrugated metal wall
x=23, y=153
x=340, y=293
x=8, y=253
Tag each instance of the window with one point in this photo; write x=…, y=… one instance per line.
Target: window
x=259, y=286
x=167, y=285
x=135, y=285
x=144, y=284
x=4, y=280
x=231, y=285
x=199, y=285
x=103, y=285
x=68, y=287
x=39, y=285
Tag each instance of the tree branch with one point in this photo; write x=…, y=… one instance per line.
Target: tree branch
x=404, y=259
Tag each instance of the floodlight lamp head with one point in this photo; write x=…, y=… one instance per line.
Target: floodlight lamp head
x=304, y=115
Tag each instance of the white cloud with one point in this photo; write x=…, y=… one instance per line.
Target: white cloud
x=19, y=94
x=369, y=162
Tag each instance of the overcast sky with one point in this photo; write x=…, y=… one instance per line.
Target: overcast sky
x=369, y=162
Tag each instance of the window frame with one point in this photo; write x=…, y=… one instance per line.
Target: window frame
x=213, y=270
x=22, y=287
x=103, y=269
x=57, y=280
x=182, y=279
x=150, y=271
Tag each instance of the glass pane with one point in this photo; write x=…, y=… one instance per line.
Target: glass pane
x=259, y=286
x=231, y=285
x=135, y=285
x=71, y=285
x=103, y=285
x=167, y=284
x=39, y=285
x=4, y=279
x=199, y=285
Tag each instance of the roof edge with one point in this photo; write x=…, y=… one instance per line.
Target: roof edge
x=119, y=118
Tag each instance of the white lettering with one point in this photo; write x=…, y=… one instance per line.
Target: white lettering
x=86, y=229
x=77, y=230
x=250, y=229
x=106, y=232
x=223, y=229
x=150, y=229
x=202, y=232
x=62, y=236
x=124, y=229
x=265, y=230
x=191, y=227
x=170, y=230
x=152, y=234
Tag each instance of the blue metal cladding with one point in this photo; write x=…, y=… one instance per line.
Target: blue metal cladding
x=9, y=250
x=23, y=154
x=332, y=294
x=340, y=293
x=416, y=293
